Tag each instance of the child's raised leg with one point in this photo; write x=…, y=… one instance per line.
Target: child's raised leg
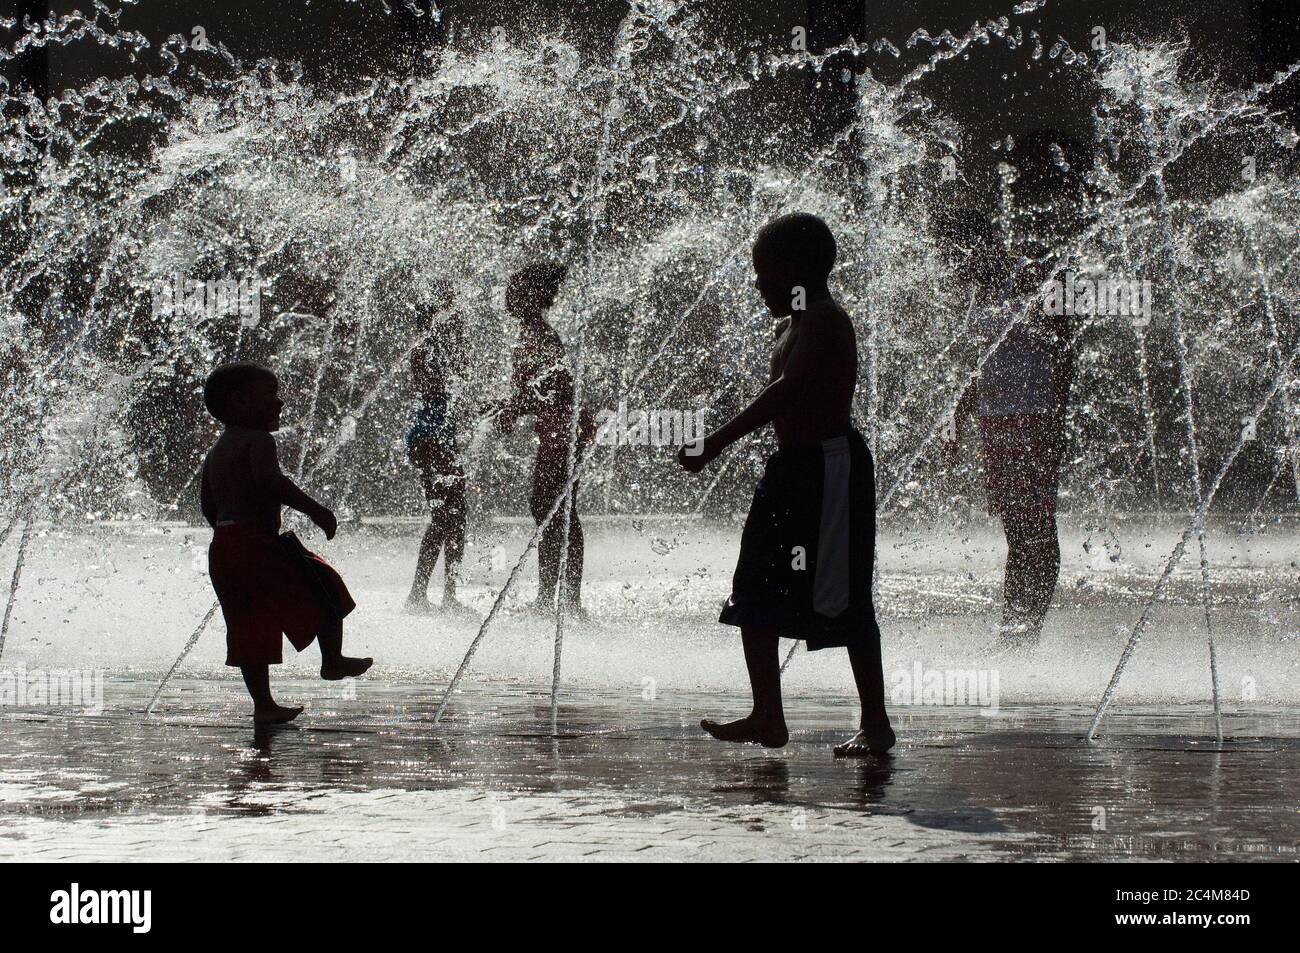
x=875, y=736
x=265, y=711
x=334, y=665
x=765, y=725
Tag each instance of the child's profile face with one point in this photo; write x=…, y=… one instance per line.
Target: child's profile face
x=258, y=405
x=775, y=285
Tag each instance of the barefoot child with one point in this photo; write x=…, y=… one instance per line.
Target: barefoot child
x=265, y=585
x=1021, y=394
x=431, y=444
x=808, y=545
x=542, y=387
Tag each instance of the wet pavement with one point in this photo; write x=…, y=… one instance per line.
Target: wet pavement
x=365, y=775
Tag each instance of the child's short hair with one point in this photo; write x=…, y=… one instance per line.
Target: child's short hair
x=529, y=281
x=227, y=381
x=800, y=239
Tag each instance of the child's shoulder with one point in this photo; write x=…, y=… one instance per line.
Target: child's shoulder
x=831, y=319
x=828, y=306
x=236, y=437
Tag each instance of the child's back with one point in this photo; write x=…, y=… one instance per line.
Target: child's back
x=238, y=474
x=822, y=406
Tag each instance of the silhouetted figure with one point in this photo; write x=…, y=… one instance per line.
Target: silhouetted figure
x=542, y=387
x=267, y=584
x=1021, y=393
x=432, y=445
x=807, y=549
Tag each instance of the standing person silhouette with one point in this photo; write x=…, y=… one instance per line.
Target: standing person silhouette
x=267, y=584
x=1021, y=393
x=432, y=446
x=542, y=387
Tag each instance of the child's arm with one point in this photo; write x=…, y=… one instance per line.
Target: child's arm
x=964, y=410
x=511, y=408
x=207, y=505
x=811, y=348
x=271, y=481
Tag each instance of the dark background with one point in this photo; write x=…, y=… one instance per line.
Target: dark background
x=1237, y=41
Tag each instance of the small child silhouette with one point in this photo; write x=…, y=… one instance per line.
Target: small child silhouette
x=542, y=387
x=431, y=444
x=267, y=584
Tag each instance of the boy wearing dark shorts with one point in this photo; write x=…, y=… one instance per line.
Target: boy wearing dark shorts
x=808, y=546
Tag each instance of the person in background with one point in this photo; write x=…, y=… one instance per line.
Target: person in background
x=1020, y=394
x=432, y=446
x=542, y=387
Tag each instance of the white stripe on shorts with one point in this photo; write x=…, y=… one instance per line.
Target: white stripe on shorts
x=831, y=583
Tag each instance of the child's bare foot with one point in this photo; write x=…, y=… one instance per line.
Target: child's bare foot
x=749, y=731
x=275, y=714
x=541, y=607
x=418, y=605
x=865, y=744
x=344, y=667
x=454, y=606
x=576, y=612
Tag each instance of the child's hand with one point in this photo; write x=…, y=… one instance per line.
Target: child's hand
x=951, y=448
x=326, y=521
x=696, y=455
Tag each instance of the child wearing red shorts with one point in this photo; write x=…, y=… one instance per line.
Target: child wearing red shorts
x=268, y=585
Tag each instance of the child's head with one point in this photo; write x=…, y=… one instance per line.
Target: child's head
x=534, y=287
x=431, y=309
x=796, y=250
x=245, y=395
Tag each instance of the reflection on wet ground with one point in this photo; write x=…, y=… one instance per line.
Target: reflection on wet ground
x=370, y=777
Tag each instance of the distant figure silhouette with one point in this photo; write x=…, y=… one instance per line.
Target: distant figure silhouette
x=542, y=387
x=432, y=445
x=267, y=584
x=1021, y=393
x=807, y=549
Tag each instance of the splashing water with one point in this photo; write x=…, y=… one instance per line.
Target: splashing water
x=648, y=172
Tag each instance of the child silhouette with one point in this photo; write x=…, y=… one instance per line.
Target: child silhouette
x=808, y=545
x=267, y=584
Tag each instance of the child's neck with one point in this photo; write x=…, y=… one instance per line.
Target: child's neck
x=812, y=294
x=816, y=292
x=245, y=425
